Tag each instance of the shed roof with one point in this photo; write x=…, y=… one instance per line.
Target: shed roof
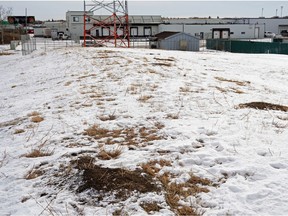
x=165, y=34
x=169, y=34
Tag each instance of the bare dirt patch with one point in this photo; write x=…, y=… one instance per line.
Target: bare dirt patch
x=122, y=182
x=263, y=106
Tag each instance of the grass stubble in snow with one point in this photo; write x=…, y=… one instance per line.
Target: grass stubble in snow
x=103, y=131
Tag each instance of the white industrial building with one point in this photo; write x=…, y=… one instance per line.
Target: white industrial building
x=146, y=25
x=140, y=26
x=206, y=31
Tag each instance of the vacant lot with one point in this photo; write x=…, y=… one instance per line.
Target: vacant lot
x=103, y=131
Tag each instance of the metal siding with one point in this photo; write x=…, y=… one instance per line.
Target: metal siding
x=173, y=42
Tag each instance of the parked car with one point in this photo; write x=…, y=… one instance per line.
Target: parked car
x=269, y=34
x=284, y=33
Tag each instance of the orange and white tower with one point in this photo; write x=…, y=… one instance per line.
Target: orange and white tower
x=106, y=23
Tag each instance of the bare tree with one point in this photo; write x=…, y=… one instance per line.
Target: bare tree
x=4, y=13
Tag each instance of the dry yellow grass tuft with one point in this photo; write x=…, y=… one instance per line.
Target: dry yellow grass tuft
x=19, y=131
x=230, y=89
x=150, y=207
x=108, y=155
x=34, y=173
x=37, y=119
x=68, y=83
x=175, y=192
x=240, y=83
x=34, y=113
x=128, y=136
x=144, y=98
x=5, y=53
x=38, y=153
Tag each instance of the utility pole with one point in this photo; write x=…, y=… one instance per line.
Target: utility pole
x=25, y=20
x=281, y=11
x=2, y=33
x=262, y=12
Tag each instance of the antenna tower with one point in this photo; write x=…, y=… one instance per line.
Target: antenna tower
x=111, y=29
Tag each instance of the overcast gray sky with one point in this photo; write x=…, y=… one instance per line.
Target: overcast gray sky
x=44, y=10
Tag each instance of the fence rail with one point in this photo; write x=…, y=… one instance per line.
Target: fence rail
x=47, y=44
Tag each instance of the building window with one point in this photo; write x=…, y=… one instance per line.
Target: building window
x=147, y=31
x=76, y=19
x=242, y=32
x=231, y=33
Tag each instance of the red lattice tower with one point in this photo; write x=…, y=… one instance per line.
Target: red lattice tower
x=111, y=29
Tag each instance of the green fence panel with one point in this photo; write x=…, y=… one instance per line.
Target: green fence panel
x=247, y=46
x=219, y=44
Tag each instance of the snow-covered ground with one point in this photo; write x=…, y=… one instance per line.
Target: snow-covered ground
x=189, y=100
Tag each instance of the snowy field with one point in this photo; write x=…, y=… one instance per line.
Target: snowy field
x=106, y=131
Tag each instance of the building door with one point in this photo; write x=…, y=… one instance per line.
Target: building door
x=222, y=33
x=225, y=34
x=97, y=33
x=256, y=32
x=183, y=45
x=216, y=34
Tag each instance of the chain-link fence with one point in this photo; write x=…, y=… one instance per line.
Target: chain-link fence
x=48, y=44
x=28, y=44
x=139, y=42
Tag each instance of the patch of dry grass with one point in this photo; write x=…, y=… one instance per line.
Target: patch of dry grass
x=68, y=83
x=138, y=136
x=151, y=207
x=34, y=153
x=34, y=173
x=171, y=59
x=175, y=192
x=230, y=89
x=19, y=131
x=120, y=182
x=240, y=83
x=154, y=166
x=109, y=117
x=13, y=122
x=37, y=119
x=173, y=115
x=144, y=98
x=185, y=89
x=112, y=154
x=162, y=64
x=34, y=113
x=5, y=53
